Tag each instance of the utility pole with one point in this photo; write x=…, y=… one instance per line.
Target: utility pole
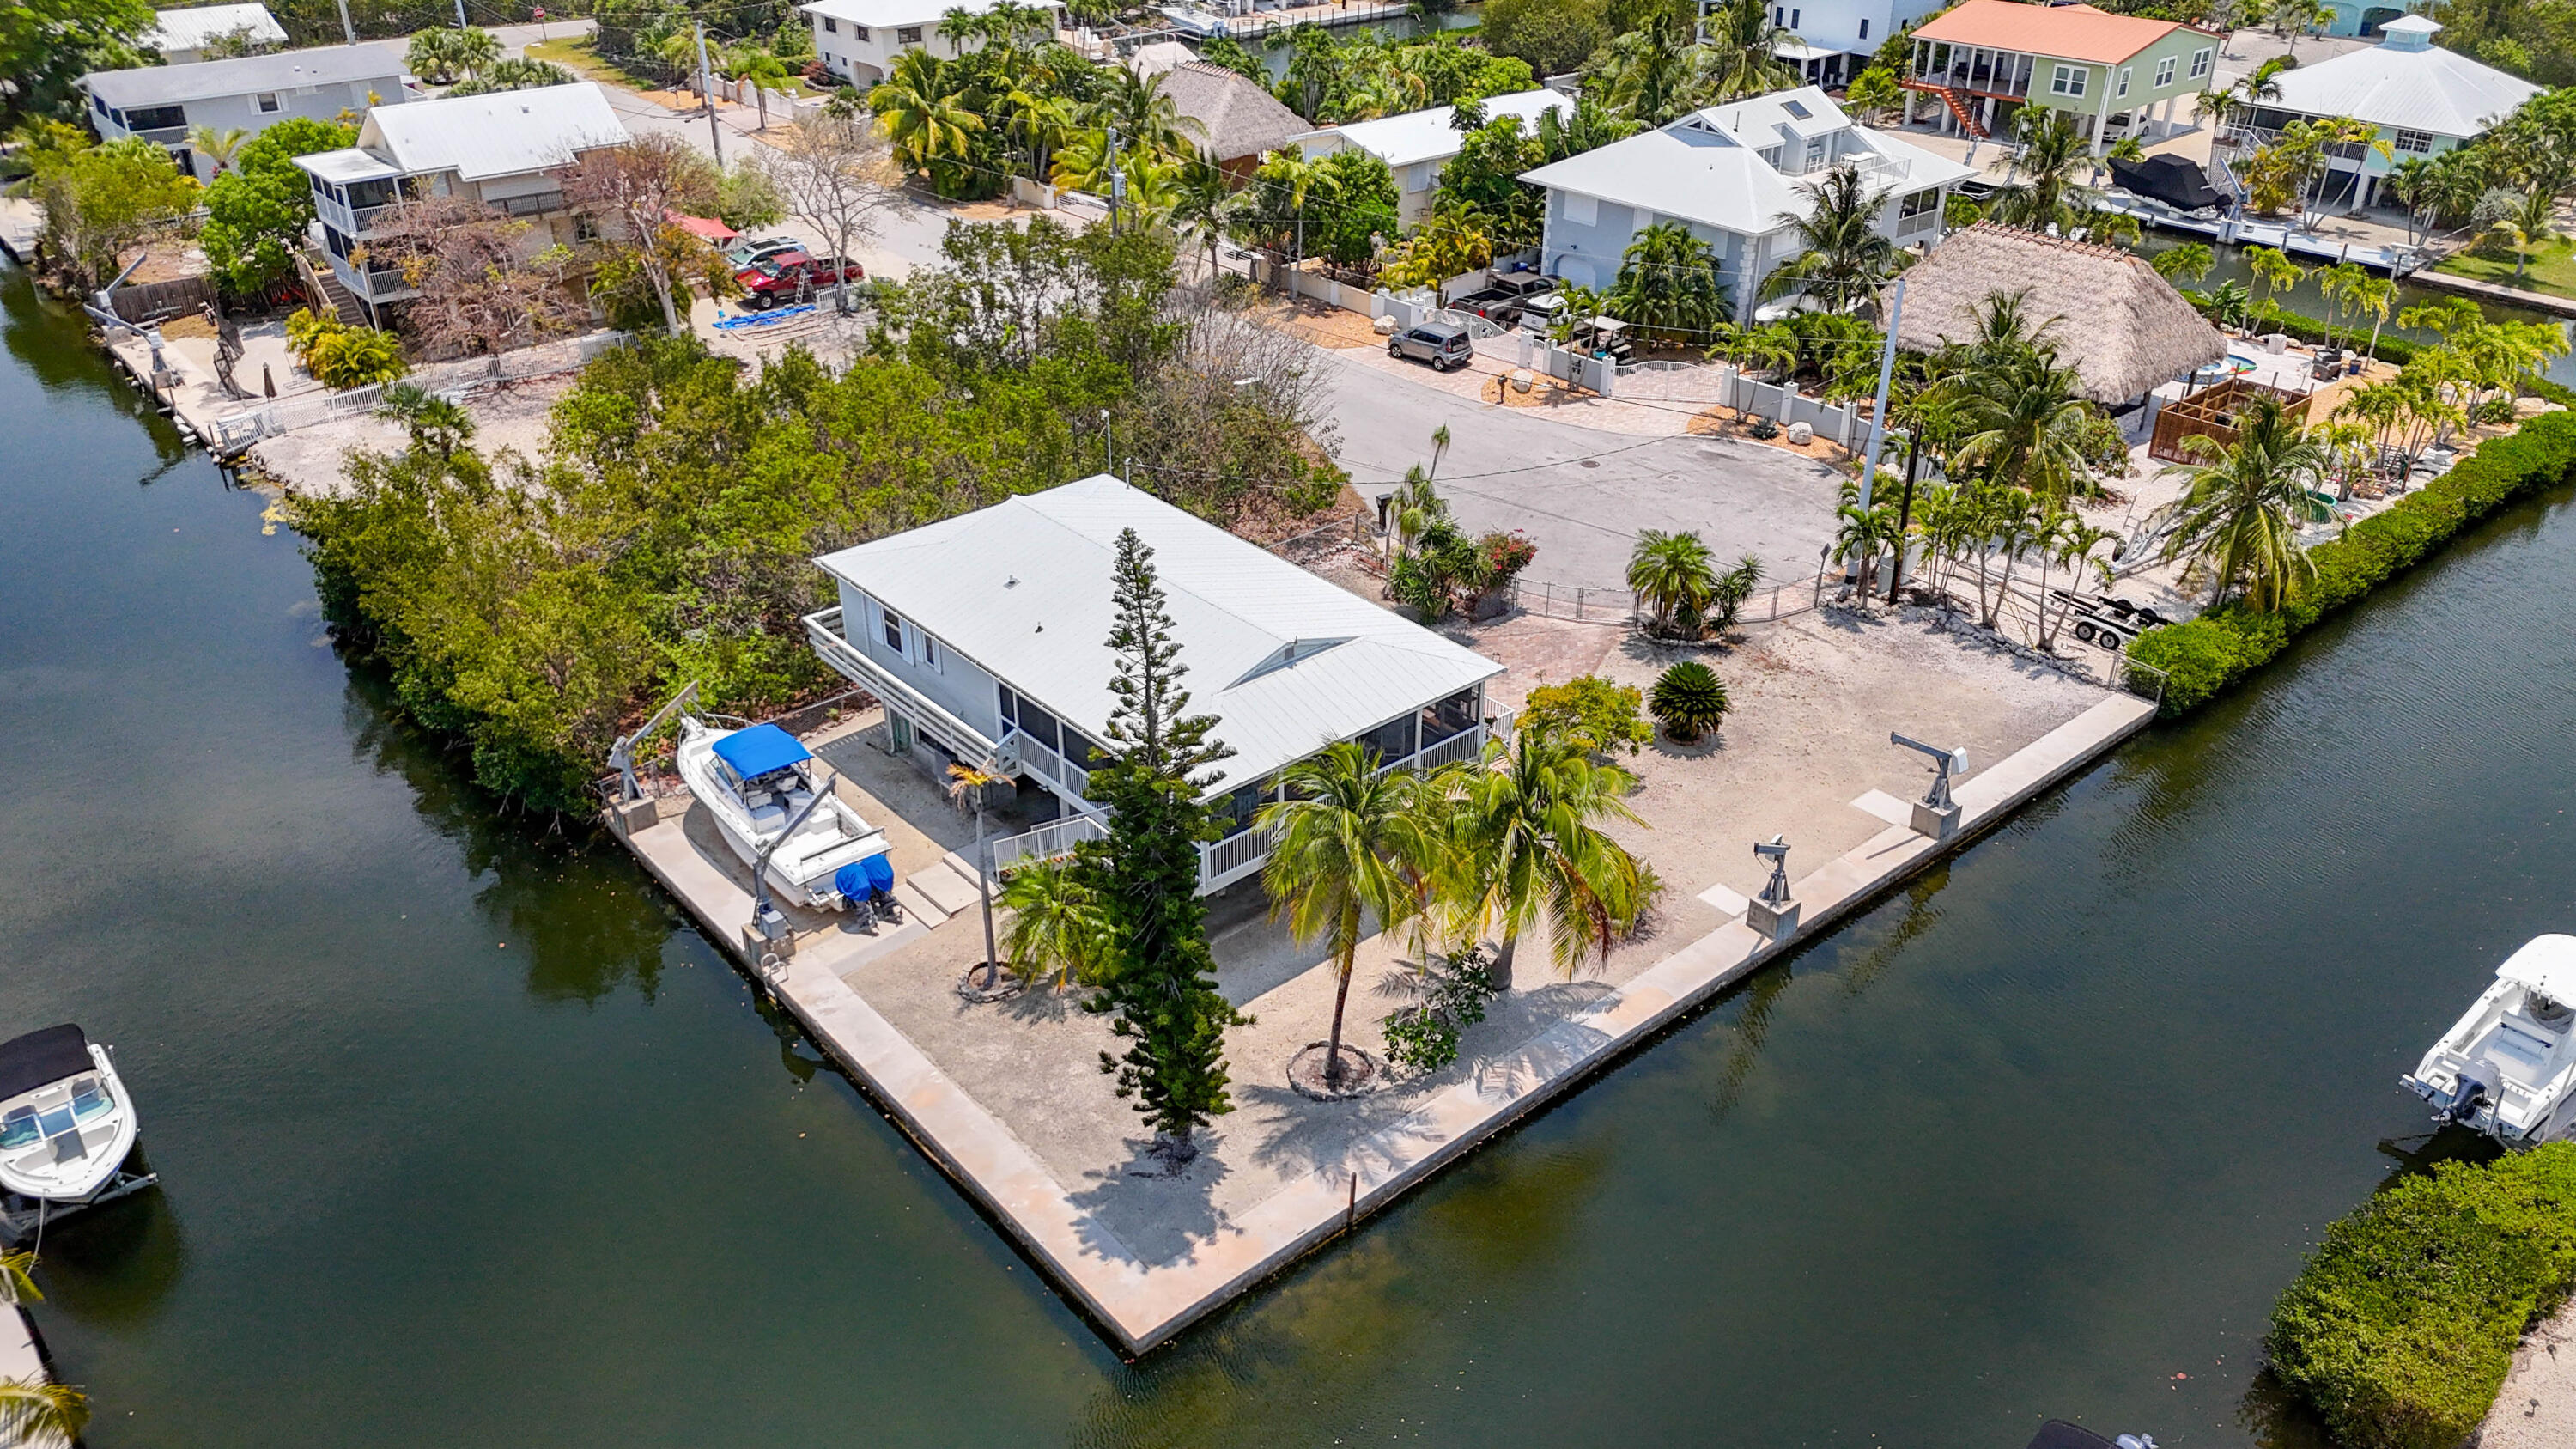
x=707, y=88
x=460, y=12
x=1905, y=508
x=350, y=32
x=1117, y=183
x=1878, y=420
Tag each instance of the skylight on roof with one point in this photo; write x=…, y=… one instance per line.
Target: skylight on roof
x=1795, y=108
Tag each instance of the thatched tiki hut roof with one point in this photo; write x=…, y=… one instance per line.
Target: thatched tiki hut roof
x=2122, y=328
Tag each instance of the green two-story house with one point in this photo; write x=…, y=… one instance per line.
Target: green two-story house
x=2116, y=75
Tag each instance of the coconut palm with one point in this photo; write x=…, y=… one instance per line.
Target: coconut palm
x=2525, y=220
x=1144, y=116
x=2238, y=518
x=218, y=147
x=1672, y=574
x=1350, y=844
x=34, y=1412
x=1526, y=849
x=1842, y=258
x=762, y=67
x=2052, y=161
x=966, y=786
x=1038, y=122
x=2023, y=423
x=2185, y=264
x=1057, y=931
x=921, y=115
x=1669, y=285
x=1739, y=51
x=1651, y=73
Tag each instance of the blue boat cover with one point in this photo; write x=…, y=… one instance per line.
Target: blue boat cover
x=756, y=751
x=855, y=880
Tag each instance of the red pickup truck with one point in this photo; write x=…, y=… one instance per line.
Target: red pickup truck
x=793, y=277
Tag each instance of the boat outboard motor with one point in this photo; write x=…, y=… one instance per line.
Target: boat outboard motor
x=2465, y=1097
x=2134, y=1441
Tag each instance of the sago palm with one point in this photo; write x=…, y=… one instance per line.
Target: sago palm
x=1526, y=850
x=1350, y=845
x=2238, y=517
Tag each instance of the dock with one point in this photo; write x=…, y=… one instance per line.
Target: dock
x=21, y=222
x=1140, y=1301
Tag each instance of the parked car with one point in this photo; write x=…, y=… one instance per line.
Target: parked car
x=1442, y=344
x=747, y=250
x=793, y=276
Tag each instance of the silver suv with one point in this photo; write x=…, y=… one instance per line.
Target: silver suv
x=1442, y=344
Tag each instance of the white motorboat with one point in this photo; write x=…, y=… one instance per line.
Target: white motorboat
x=66, y=1128
x=759, y=781
x=2507, y=1067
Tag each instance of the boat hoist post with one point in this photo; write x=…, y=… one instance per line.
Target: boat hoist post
x=769, y=928
x=1935, y=815
x=621, y=755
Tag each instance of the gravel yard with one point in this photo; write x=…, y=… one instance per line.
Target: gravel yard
x=512, y=415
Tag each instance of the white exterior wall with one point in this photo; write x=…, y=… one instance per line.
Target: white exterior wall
x=1837, y=24
x=957, y=685
x=225, y=113
x=865, y=63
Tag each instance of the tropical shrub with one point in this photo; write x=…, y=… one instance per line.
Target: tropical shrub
x=2403, y=1323
x=1689, y=700
x=1594, y=712
x=1423, y=1037
x=2202, y=656
x=355, y=357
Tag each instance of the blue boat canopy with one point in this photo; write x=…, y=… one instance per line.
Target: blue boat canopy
x=759, y=750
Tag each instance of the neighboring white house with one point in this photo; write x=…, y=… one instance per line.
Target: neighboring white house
x=1836, y=38
x=859, y=39
x=248, y=93
x=2425, y=100
x=1418, y=144
x=183, y=35
x=986, y=637
x=507, y=150
x=1730, y=173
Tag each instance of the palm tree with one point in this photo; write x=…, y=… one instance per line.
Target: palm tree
x=2525, y=219
x=2052, y=157
x=1649, y=73
x=966, y=786
x=1057, y=930
x=1672, y=574
x=1739, y=52
x=1144, y=116
x=34, y=1412
x=2184, y=264
x=2238, y=517
x=2023, y=423
x=16, y=1286
x=1202, y=190
x=1669, y=285
x=762, y=67
x=1842, y=256
x=1349, y=844
x=218, y=147
x=1038, y=122
x=924, y=120
x=1526, y=847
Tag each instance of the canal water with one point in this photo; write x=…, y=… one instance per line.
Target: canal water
x=467, y=1138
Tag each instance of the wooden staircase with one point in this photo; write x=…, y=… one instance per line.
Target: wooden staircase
x=321, y=282
x=1960, y=106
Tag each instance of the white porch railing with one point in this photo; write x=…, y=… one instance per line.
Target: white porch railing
x=823, y=631
x=1047, y=842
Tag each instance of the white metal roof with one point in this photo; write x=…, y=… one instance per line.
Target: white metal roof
x=347, y=165
x=2402, y=86
x=277, y=70
x=191, y=28
x=874, y=13
x=2546, y=964
x=1022, y=590
x=1418, y=136
x=506, y=133
x=1706, y=167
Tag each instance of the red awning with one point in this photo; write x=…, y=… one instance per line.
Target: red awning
x=708, y=227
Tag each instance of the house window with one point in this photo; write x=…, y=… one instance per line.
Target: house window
x=267, y=103
x=1391, y=742
x=2122, y=89
x=858, y=32
x=2419, y=142
x=1793, y=20
x=2164, y=72
x=1926, y=200
x=930, y=652
x=584, y=229
x=2066, y=80
x=1779, y=14
x=1864, y=30
x=831, y=26
x=2199, y=63
x=1581, y=210
x=893, y=630
x=908, y=35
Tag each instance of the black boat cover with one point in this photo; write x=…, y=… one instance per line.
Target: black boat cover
x=42, y=1058
x=2176, y=181
x=2059, y=1434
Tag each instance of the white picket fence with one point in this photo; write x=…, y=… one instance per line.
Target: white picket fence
x=285, y=415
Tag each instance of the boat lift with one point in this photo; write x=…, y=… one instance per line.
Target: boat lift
x=621, y=755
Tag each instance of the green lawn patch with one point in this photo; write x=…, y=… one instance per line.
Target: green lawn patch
x=2403, y=1324
x=2552, y=268
x=2203, y=656
x=576, y=53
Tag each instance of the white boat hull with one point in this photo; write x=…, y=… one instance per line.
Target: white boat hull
x=2507, y=1068
x=80, y=1167
x=801, y=868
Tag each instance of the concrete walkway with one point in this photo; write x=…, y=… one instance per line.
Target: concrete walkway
x=20, y=1361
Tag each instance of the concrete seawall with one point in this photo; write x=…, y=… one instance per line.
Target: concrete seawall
x=1141, y=1304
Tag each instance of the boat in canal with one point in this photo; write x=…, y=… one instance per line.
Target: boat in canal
x=2505, y=1068
x=759, y=784
x=66, y=1128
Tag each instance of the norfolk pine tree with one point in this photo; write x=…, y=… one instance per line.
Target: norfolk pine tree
x=1162, y=985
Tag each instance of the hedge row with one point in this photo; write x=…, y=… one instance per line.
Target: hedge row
x=2403, y=1324
x=2202, y=656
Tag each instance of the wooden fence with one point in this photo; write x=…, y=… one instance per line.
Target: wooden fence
x=148, y=302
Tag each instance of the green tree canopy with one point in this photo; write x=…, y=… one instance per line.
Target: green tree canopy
x=257, y=211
